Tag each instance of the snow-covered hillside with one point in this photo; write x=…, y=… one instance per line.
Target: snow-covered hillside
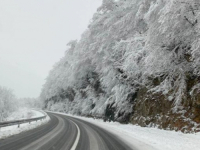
x=137, y=62
x=11, y=106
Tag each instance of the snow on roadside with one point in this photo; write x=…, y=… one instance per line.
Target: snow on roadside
x=144, y=138
x=22, y=114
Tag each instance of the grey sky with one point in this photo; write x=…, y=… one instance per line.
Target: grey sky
x=33, y=36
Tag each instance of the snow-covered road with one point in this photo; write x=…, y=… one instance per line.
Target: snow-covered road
x=135, y=136
x=144, y=138
x=65, y=133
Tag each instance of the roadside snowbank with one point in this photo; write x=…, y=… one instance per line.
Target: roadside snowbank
x=144, y=138
x=22, y=114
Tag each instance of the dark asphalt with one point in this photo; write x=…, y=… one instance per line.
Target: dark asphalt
x=62, y=133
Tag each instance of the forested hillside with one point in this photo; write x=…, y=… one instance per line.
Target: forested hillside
x=137, y=62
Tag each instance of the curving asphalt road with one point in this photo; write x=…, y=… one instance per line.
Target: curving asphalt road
x=64, y=133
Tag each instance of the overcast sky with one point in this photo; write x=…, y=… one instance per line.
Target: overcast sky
x=33, y=36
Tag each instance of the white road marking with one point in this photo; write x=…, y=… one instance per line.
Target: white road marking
x=77, y=137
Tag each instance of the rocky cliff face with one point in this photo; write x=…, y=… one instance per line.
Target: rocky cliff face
x=155, y=110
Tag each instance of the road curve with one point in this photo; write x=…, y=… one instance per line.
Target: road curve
x=64, y=133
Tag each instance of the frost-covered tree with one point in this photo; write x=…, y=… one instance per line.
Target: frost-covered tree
x=30, y=103
x=129, y=45
x=7, y=102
